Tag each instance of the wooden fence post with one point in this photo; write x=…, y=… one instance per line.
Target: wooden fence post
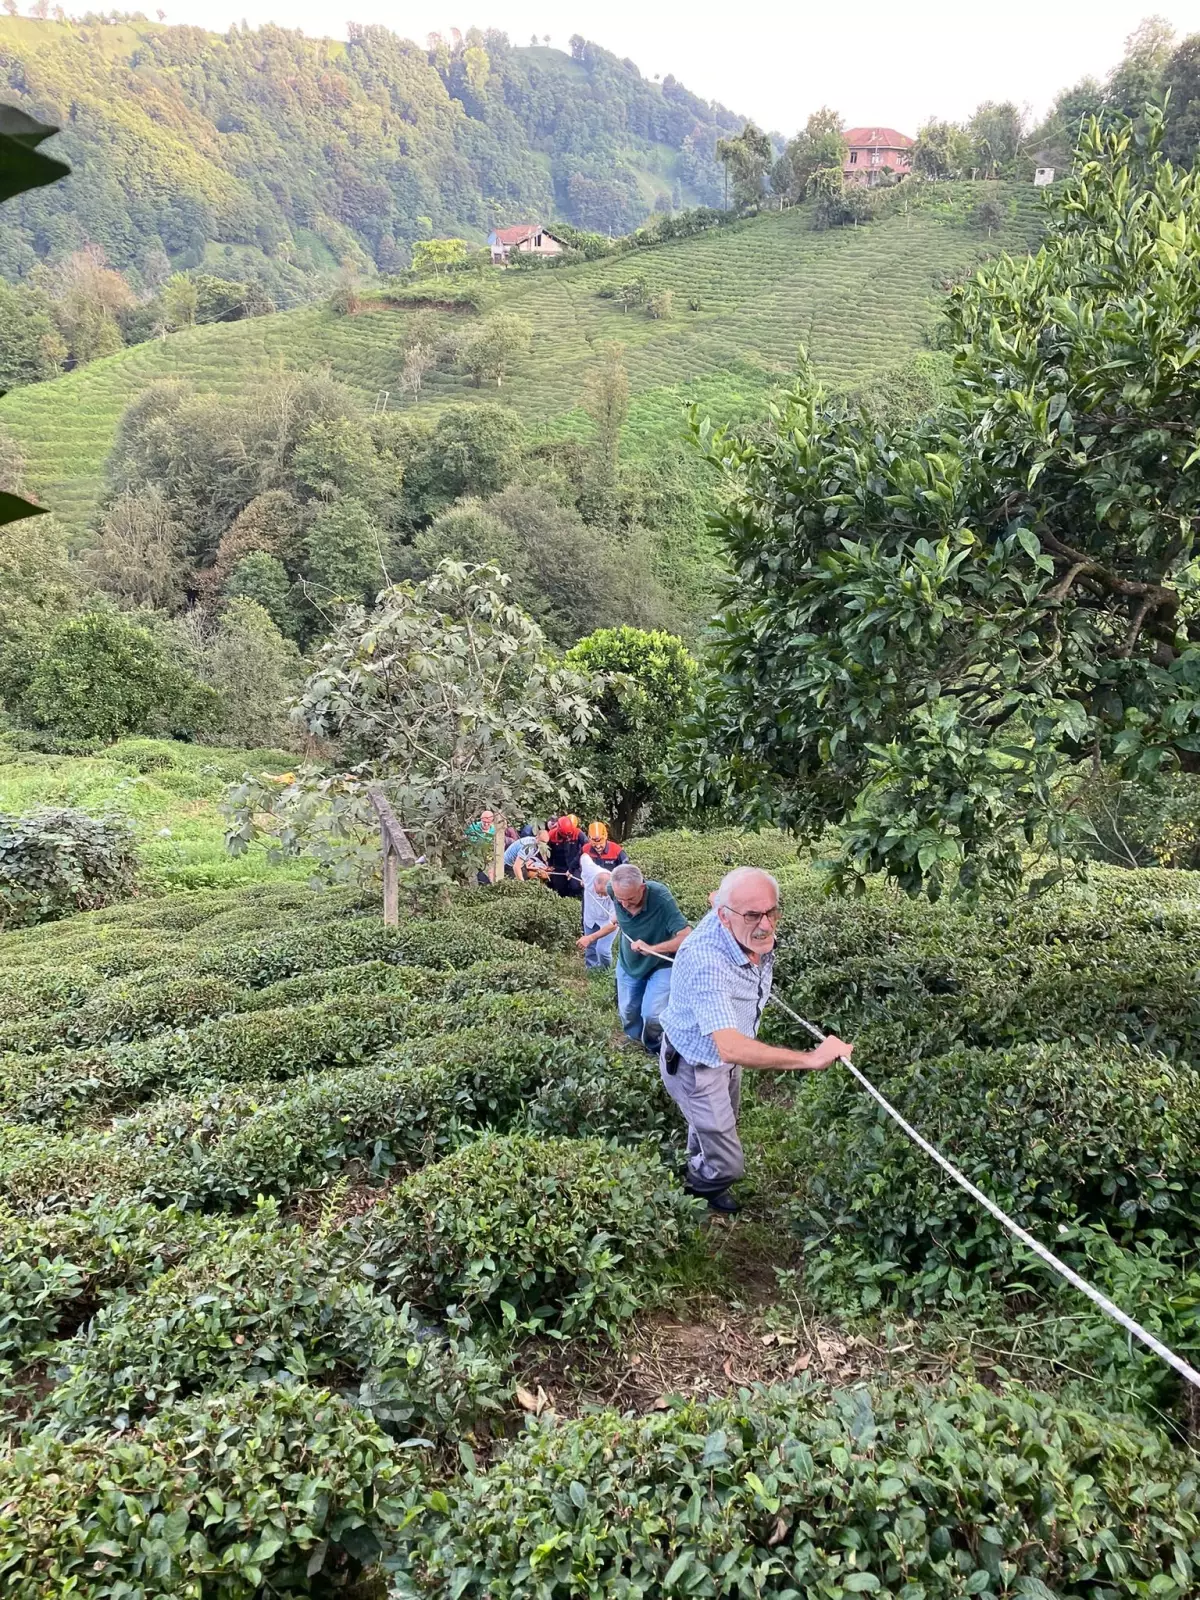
x=397, y=853
x=498, y=826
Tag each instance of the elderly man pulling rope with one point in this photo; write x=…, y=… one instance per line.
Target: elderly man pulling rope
x=719, y=989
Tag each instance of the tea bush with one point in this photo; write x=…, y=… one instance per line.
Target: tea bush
x=787, y=1492
x=58, y=1268
x=1055, y=1137
x=55, y=861
x=266, y=1306
x=568, y=1234
x=278, y=1487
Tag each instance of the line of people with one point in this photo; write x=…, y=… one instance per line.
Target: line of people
x=692, y=997
x=695, y=997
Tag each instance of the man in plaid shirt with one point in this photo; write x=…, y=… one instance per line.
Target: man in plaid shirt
x=719, y=990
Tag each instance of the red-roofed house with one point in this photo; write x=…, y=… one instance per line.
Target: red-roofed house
x=871, y=150
x=530, y=238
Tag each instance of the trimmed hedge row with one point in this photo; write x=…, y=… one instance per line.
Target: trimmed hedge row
x=256, y=1047
x=275, y=1488
x=265, y=1305
x=234, y=1141
x=1056, y=1137
x=893, y=1493
x=560, y=1234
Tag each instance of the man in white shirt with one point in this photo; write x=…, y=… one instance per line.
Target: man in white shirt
x=597, y=913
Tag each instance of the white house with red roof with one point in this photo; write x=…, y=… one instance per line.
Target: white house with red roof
x=872, y=151
x=529, y=238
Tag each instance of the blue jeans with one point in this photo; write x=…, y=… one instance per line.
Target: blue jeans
x=641, y=1003
x=598, y=954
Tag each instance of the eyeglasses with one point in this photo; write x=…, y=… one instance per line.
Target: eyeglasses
x=771, y=915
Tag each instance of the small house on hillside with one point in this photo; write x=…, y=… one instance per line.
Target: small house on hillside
x=529, y=238
x=874, y=151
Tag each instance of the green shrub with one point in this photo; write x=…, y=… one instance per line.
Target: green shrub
x=528, y=912
x=441, y=946
x=55, y=861
x=101, y=677
x=1054, y=1136
x=279, y=1488
x=57, y=1268
x=790, y=1492
x=266, y=1305
x=125, y=1009
x=567, y=1233
x=403, y=1109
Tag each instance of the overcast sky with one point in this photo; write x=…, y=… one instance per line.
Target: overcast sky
x=890, y=62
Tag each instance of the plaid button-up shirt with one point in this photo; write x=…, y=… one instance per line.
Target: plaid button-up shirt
x=714, y=985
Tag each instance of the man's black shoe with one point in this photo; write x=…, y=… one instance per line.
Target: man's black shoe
x=723, y=1202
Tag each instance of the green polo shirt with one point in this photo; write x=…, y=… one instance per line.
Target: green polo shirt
x=658, y=920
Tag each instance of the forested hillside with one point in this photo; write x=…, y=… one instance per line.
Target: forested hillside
x=282, y=156
x=741, y=302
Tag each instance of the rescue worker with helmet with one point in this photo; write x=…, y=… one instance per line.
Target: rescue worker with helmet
x=567, y=840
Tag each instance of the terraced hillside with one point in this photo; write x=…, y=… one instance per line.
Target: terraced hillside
x=744, y=299
x=340, y=1259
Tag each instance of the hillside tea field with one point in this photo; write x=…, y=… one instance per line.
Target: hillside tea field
x=170, y=793
x=331, y=1254
x=745, y=298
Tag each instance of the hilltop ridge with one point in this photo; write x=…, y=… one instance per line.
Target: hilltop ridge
x=265, y=152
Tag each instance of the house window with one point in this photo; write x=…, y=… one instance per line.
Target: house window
x=854, y=158
x=538, y=241
x=874, y=158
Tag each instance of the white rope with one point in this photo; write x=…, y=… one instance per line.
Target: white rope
x=1106, y=1305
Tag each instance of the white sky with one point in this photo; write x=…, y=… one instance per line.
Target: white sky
x=889, y=62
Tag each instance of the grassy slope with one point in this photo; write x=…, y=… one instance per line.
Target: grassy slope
x=859, y=298
x=170, y=792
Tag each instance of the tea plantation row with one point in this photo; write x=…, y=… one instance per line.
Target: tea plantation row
x=284, y=1194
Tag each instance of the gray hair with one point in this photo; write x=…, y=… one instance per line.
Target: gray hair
x=626, y=876
x=739, y=875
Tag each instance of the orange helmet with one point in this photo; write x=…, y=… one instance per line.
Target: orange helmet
x=597, y=833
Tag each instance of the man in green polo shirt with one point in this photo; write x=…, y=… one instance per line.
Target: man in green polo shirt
x=652, y=926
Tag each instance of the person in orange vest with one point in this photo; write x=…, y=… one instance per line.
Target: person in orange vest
x=605, y=852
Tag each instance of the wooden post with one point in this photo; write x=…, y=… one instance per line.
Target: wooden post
x=397, y=853
x=391, y=885
x=497, y=846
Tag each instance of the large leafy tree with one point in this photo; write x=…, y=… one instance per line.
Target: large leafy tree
x=446, y=695
x=927, y=628
x=643, y=684
x=747, y=160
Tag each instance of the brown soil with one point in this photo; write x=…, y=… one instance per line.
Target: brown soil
x=713, y=1352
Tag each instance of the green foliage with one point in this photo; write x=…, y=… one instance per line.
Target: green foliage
x=561, y=1234
x=491, y=349
x=31, y=348
x=170, y=791
x=57, y=861
x=645, y=683
x=874, y=1491
x=569, y=575
x=929, y=626
x=101, y=677
x=765, y=285
x=1102, y=1139
x=446, y=693
x=387, y=148
x=272, y=1486
x=250, y=1311
x=253, y=671
x=28, y=341
x=747, y=159
x=820, y=148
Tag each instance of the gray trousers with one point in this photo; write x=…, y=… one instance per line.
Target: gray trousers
x=708, y=1098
